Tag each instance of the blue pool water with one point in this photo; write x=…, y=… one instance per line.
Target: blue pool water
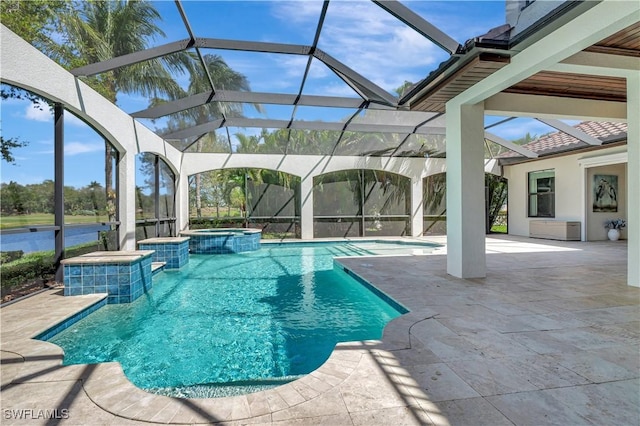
x=236, y=320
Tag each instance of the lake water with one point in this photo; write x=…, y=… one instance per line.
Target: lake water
x=29, y=242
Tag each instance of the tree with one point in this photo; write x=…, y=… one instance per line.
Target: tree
x=7, y=145
x=496, y=194
x=223, y=77
x=102, y=30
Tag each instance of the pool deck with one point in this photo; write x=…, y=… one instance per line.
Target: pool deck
x=551, y=336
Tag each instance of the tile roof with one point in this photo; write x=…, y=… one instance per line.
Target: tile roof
x=560, y=141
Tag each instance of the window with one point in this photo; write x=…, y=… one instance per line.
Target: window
x=542, y=194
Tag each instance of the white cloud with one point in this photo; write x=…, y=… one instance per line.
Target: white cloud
x=42, y=113
x=72, y=148
x=368, y=40
x=76, y=148
x=38, y=112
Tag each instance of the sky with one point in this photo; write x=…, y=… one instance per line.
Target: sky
x=360, y=34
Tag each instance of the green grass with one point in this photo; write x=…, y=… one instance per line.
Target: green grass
x=17, y=221
x=502, y=229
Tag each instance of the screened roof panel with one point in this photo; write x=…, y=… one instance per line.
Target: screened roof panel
x=264, y=72
x=375, y=144
x=423, y=146
x=376, y=45
x=321, y=80
x=216, y=141
x=312, y=142
x=401, y=118
x=277, y=21
x=340, y=115
x=268, y=111
x=274, y=90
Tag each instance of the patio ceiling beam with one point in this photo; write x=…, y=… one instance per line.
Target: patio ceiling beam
x=366, y=88
x=132, y=58
x=570, y=130
x=203, y=98
x=510, y=145
x=601, y=64
x=420, y=25
x=540, y=106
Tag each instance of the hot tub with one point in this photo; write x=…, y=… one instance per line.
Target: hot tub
x=223, y=240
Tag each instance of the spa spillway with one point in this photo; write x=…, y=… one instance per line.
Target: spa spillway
x=223, y=240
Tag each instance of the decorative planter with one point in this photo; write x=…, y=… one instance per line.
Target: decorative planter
x=613, y=234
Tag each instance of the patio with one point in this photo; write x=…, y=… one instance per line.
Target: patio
x=551, y=336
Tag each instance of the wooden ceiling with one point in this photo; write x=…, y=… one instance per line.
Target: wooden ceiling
x=476, y=70
x=625, y=42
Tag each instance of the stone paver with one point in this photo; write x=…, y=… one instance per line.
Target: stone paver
x=551, y=336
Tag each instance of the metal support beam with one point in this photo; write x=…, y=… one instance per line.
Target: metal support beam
x=510, y=145
x=195, y=130
x=58, y=114
x=420, y=25
x=203, y=98
x=366, y=88
x=156, y=191
x=304, y=125
x=132, y=58
x=253, y=46
x=570, y=130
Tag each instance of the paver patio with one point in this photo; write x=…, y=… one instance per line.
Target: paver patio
x=551, y=336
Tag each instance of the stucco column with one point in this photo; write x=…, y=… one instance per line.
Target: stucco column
x=417, y=207
x=633, y=180
x=465, y=191
x=306, y=208
x=182, y=202
x=127, y=200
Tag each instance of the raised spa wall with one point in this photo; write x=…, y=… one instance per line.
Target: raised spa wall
x=223, y=241
x=172, y=251
x=123, y=275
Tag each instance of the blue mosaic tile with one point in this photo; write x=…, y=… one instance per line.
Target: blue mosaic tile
x=75, y=291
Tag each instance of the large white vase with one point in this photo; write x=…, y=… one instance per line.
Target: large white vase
x=613, y=234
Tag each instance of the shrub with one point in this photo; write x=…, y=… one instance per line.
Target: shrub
x=10, y=256
x=212, y=222
x=38, y=265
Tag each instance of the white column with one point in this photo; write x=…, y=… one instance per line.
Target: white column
x=465, y=191
x=182, y=202
x=633, y=180
x=127, y=200
x=306, y=210
x=417, y=207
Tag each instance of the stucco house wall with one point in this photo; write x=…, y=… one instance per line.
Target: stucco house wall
x=573, y=189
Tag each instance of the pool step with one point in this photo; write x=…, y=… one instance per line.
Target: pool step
x=157, y=267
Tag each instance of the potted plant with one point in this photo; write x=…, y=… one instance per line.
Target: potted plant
x=614, y=226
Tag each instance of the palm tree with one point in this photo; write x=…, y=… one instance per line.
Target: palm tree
x=101, y=30
x=223, y=78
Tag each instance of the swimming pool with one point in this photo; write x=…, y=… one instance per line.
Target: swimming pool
x=236, y=323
